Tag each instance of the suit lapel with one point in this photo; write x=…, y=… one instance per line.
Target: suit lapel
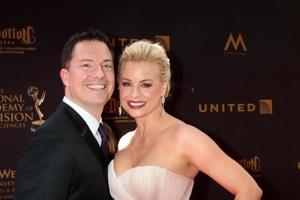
x=86, y=134
x=93, y=144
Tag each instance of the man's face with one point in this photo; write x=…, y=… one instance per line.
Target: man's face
x=89, y=79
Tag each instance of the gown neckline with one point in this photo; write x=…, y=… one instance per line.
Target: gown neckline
x=145, y=167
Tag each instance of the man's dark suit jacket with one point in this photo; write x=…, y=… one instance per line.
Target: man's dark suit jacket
x=62, y=161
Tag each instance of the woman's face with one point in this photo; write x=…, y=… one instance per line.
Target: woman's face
x=141, y=88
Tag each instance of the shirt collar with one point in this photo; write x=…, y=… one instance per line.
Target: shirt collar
x=91, y=121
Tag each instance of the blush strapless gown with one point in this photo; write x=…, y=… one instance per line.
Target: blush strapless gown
x=149, y=183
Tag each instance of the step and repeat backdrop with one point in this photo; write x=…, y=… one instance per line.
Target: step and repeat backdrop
x=235, y=68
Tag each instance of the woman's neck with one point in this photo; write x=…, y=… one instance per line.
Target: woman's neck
x=152, y=122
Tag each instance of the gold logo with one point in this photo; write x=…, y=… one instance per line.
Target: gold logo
x=17, y=40
x=252, y=165
x=226, y=107
x=164, y=40
x=33, y=92
x=121, y=42
x=7, y=183
x=7, y=173
x=238, y=45
x=14, y=113
x=265, y=107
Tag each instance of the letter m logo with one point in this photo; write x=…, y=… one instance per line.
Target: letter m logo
x=235, y=42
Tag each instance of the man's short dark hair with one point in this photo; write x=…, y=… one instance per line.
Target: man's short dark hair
x=88, y=35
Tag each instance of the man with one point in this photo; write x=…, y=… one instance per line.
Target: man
x=66, y=158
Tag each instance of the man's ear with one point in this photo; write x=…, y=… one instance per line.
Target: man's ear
x=64, y=76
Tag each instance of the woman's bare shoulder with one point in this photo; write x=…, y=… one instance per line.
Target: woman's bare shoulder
x=184, y=129
x=186, y=134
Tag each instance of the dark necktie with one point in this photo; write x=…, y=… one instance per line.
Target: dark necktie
x=104, y=139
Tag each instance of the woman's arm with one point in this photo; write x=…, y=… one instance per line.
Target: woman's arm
x=202, y=152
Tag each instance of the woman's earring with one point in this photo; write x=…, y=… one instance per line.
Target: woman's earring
x=120, y=110
x=163, y=100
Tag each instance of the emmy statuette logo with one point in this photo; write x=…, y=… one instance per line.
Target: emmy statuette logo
x=34, y=92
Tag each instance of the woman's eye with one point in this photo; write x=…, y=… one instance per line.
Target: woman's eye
x=146, y=85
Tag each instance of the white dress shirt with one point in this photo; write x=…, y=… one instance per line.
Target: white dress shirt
x=91, y=121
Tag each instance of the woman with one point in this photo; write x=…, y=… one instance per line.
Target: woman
x=163, y=155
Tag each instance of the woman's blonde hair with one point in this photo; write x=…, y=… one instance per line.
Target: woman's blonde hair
x=147, y=51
